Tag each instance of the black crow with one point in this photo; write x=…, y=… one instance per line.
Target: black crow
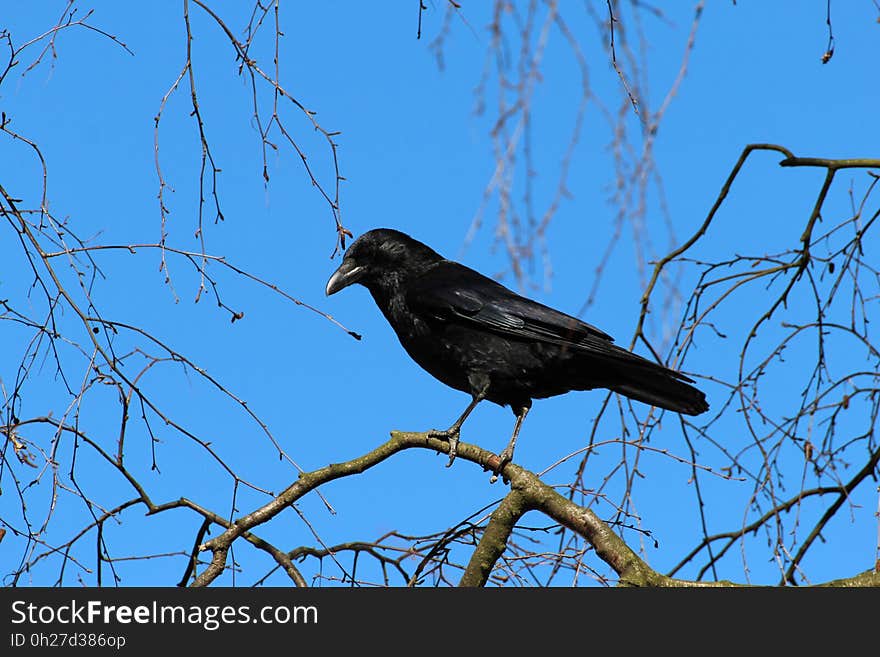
x=477, y=336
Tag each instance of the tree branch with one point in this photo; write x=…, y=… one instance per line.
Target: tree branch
x=527, y=493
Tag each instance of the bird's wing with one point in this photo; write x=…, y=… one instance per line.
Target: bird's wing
x=451, y=291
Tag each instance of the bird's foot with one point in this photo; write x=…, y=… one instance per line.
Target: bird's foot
x=505, y=457
x=451, y=436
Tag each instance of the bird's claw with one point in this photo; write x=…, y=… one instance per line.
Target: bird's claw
x=503, y=459
x=450, y=436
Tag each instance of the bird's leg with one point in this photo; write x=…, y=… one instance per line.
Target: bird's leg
x=506, y=455
x=451, y=434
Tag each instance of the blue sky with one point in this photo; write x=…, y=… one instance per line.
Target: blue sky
x=417, y=157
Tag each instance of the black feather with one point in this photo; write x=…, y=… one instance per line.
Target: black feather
x=476, y=335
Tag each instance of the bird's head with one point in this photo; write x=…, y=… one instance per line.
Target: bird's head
x=381, y=258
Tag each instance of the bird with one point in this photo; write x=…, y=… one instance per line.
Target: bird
x=476, y=335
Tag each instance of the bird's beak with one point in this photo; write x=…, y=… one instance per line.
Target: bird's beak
x=348, y=273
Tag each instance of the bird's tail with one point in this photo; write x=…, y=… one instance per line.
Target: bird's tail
x=659, y=386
